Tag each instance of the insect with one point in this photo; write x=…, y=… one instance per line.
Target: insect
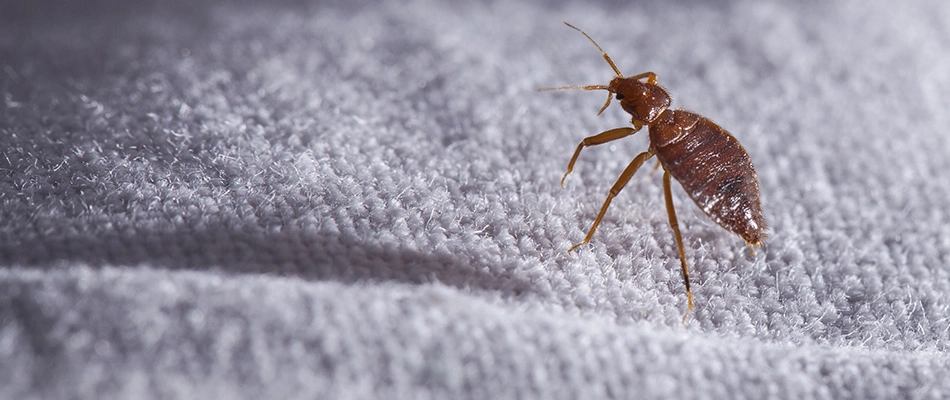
x=706, y=160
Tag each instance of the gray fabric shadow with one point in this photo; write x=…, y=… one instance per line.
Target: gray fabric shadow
x=325, y=256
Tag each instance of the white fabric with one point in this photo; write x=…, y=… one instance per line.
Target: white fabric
x=362, y=201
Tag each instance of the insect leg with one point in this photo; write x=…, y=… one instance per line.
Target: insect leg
x=621, y=182
x=600, y=138
x=651, y=77
x=655, y=168
x=679, y=240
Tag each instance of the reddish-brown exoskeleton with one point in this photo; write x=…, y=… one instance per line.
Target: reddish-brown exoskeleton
x=706, y=160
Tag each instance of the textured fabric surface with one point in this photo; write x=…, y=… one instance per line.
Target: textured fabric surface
x=355, y=200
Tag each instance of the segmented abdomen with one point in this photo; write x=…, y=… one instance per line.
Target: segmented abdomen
x=714, y=170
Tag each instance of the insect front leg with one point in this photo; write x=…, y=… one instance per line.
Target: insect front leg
x=614, y=191
x=600, y=138
x=671, y=212
x=651, y=77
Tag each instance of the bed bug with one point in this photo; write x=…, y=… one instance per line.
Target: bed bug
x=706, y=160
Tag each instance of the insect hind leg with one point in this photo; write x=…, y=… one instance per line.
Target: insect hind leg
x=671, y=212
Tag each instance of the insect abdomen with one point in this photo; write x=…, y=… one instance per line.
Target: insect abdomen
x=714, y=170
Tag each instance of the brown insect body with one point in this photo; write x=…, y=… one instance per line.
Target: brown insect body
x=714, y=170
x=709, y=163
x=644, y=101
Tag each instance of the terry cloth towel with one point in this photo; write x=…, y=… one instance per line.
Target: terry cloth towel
x=227, y=199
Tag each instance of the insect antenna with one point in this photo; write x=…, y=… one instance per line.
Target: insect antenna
x=602, y=52
x=591, y=87
x=585, y=87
